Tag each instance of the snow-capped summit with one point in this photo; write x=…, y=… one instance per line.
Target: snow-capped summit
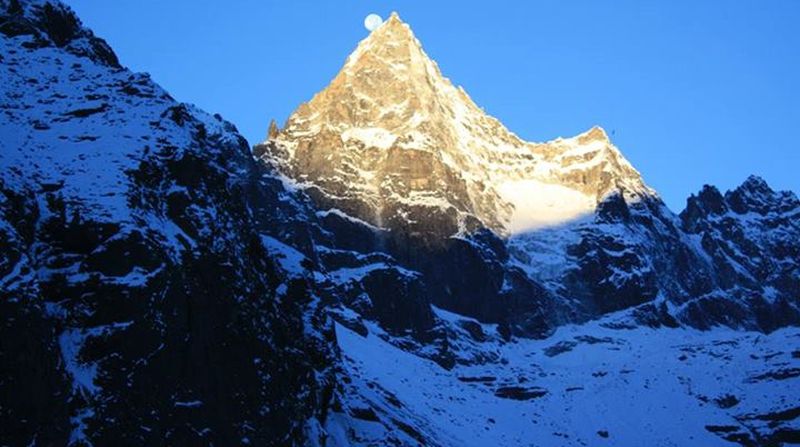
x=391, y=137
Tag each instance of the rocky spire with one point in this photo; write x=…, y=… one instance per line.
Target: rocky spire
x=273, y=129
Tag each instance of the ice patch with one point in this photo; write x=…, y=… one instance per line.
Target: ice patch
x=83, y=374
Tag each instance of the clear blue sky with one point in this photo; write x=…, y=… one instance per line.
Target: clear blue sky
x=694, y=92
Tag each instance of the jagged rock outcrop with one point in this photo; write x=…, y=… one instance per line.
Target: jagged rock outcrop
x=752, y=238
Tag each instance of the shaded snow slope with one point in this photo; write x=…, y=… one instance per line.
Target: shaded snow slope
x=584, y=386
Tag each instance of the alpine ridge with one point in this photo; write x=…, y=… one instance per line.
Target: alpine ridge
x=392, y=267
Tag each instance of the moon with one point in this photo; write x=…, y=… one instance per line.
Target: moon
x=372, y=21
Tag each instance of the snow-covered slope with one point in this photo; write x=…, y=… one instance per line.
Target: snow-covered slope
x=588, y=385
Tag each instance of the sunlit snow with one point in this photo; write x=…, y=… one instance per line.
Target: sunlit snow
x=539, y=205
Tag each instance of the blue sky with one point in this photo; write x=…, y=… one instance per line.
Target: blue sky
x=693, y=92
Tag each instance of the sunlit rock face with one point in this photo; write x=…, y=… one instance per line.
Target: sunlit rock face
x=393, y=143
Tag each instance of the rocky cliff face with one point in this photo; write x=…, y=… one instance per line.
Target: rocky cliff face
x=525, y=234
x=144, y=296
x=751, y=236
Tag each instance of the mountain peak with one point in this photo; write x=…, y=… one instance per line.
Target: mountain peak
x=392, y=129
x=755, y=183
x=754, y=194
x=596, y=133
x=754, y=188
x=394, y=17
x=394, y=21
x=387, y=82
x=392, y=45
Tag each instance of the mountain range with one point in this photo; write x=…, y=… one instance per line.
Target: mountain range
x=567, y=225
x=390, y=267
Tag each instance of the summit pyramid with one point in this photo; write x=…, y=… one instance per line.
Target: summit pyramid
x=390, y=138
